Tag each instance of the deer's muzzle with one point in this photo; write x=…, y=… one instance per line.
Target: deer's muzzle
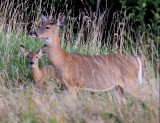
x=31, y=62
x=33, y=34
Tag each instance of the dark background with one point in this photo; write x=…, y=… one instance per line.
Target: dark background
x=147, y=11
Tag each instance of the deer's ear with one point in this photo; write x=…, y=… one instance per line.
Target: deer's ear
x=24, y=50
x=45, y=20
x=43, y=50
x=61, y=20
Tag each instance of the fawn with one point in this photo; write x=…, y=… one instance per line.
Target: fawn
x=39, y=74
x=93, y=73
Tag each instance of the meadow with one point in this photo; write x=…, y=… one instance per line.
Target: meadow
x=22, y=101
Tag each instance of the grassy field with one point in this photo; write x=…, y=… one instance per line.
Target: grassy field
x=21, y=100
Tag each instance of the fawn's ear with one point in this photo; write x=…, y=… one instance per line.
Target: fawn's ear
x=45, y=20
x=61, y=20
x=24, y=50
x=43, y=50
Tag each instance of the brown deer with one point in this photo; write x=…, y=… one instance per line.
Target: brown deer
x=93, y=73
x=39, y=74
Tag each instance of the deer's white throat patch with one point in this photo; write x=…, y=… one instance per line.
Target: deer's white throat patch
x=48, y=40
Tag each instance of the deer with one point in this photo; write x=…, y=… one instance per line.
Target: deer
x=93, y=73
x=40, y=75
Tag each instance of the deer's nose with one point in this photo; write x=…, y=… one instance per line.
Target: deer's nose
x=31, y=62
x=33, y=33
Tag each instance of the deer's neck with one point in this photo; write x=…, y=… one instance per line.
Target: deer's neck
x=55, y=52
x=36, y=73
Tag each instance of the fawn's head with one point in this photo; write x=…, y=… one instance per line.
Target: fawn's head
x=33, y=56
x=48, y=28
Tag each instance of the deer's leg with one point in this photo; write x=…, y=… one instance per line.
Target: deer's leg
x=73, y=90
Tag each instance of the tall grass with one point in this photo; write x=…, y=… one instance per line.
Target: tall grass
x=22, y=101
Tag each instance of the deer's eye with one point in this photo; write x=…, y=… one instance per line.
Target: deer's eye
x=36, y=56
x=47, y=27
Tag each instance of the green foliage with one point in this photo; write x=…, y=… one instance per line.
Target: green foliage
x=140, y=13
x=53, y=120
x=111, y=115
x=28, y=117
